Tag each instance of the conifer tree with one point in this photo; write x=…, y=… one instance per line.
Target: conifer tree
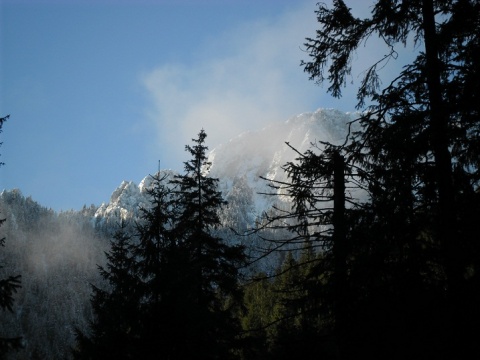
x=173, y=284
x=115, y=328
x=213, y=264
x=432, y=105
x=8, y=287
x=144, y=302
x=407, y=267
x=318, y=223
x=418, y=154
x=162, y=263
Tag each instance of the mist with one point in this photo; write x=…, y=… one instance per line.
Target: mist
x=243, y=80
x=57, y=257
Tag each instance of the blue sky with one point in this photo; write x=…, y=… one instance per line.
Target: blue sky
x=99, y=91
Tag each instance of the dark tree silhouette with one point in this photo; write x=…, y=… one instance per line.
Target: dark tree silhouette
x=430, y=103
x=8, y=287
x=173, y=286
x=140, y=314
x=115, y=329
x=319, y=223
x=403, y=279
x=213, y=264
x=162, y=263
x=418, y=152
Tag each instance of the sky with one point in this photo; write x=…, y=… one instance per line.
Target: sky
x=99, y=91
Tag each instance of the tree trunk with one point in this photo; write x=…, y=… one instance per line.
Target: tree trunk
x=447, y=228
x=339, y=248
x=446, y=219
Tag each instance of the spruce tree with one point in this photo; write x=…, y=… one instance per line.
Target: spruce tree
x=405, y=279
x=8, y=287
x=418, y=154
x=431, y=105
x=115, y=328
x=213, y=264
x=161, y=264
x=173, y=285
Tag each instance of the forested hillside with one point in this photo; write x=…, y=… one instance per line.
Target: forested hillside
x=57, y=257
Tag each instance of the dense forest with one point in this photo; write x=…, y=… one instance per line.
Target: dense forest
x=377, y=255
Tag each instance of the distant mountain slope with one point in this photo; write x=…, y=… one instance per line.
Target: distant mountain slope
x=241, y=162
x=262, y=153
x=126, y=201
x=57, y=253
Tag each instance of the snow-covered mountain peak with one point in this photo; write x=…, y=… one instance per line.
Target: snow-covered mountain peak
x=147, y=181
x=124, y=193
x=258, y=147
x=244, y=162
x=263, y=153
x=128, y=198
x=124, y=203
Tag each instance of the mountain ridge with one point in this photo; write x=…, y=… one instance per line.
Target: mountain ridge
x=58, y=253
x=242, y=162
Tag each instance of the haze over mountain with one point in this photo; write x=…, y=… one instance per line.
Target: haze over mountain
x=57, y=253
x=241, y=163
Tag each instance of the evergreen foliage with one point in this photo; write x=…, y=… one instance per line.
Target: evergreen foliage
x=174, y=285
x=115, y=328
x=393, y=273
x=8, y=287
x=213, y=264
x=160, y=264
x=56, y=253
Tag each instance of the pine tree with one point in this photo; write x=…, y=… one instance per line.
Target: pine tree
x=418, y=152
x=115, y=328
x=432, y=104
x=213, y=264
x=173, y=290
x=162, y=261
x=8, y=287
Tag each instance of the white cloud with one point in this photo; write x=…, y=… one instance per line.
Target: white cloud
x=247, y=78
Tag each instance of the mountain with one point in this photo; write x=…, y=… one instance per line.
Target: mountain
x=126, y=201
x=262, y=153
x=240, y=165
x=57, y=253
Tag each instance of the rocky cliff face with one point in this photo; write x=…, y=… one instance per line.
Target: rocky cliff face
x=241, y=163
